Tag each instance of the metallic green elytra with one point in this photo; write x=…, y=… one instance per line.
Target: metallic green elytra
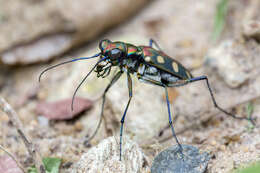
x=149, y=65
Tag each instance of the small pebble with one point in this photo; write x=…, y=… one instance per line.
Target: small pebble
x=245, y=149
x=222, y=147
x=257, y=146
x=4, y=118
x=34, y=123
x=252, y=29
x=42, y=95
x=78, y=126
x=214, y=143
x=43, y=121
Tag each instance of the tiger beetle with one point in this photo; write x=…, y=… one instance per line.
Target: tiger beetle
x=150, y=65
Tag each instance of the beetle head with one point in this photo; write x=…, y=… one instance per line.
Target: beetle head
x=114, y=51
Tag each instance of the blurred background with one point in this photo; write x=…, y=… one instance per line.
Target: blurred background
x=217, y=38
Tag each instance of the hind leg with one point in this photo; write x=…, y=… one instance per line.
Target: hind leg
x=170, y=122
x=205, y=78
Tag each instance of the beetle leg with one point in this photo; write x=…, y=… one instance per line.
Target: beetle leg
x=149, y=75
x=184, y=82
x=178, y=83
x=151, y=42
x=170, y=122
x=149, y=81
x=114, y=79
x=214, y=101
x=129, y=83
x=107, y=71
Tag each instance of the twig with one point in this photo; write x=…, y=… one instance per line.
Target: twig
x=10, y=155
x=18, y=125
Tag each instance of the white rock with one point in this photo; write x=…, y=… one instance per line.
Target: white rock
x=105, y=158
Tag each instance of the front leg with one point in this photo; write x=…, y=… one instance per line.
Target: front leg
x=112, y=82
x=129, y=83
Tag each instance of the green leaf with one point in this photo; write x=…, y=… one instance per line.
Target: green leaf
x=32, y=169
x=51, y=165
x=254, y=168
x=220, y=19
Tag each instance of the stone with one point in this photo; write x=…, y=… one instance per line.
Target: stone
x=226, y=59
x=169, y=160
x=252, y=29
x=251, y=23
x=49, y=28
x=105, y=158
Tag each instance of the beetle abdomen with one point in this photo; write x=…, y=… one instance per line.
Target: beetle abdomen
x=164, y=62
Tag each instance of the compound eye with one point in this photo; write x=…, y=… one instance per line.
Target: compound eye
x=104, y=43
x=115, y=53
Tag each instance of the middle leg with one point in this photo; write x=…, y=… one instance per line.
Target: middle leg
x=170, y=122
x=151, y=42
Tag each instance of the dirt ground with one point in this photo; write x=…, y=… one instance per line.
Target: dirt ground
x=183, y=30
